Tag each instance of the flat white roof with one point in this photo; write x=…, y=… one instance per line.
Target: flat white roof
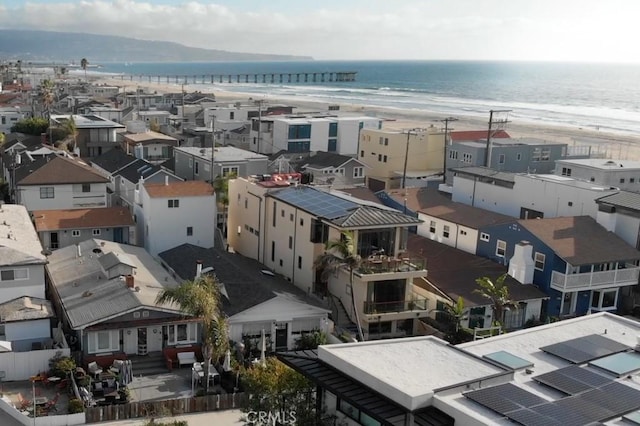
x=569, y=181
x=88, y=121
x=223, y=154
x=407, y=371
x=19, y=243
x=603, y=163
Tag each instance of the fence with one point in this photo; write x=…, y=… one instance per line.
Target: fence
x=22, y=365
x=58, y=420
x=166, y=408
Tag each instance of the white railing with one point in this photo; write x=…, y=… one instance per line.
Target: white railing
x=593, y=280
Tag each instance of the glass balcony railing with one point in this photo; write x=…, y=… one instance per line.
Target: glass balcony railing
x=384, y=264
x=414, y=303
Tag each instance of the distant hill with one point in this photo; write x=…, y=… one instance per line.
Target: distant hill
x=56, y=46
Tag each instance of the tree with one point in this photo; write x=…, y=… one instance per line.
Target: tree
x=69, y=126
x=46, y=96
x=221, y=186
x=31, y=126
x=338, y=254
x=309, y=341
x=498, y=294
x=84, y=64
x=2, y=138
x=277, y=388
x=200, y=298
x=457, y=311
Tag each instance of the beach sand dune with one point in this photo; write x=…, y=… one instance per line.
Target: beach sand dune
x=610, y=145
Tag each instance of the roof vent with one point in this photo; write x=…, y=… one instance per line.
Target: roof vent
x=137, y=289
x=96, y=250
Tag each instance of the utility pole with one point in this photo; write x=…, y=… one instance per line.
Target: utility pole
x=213, y=145
x=446, y=144
x=259, y=102
x=501, y=123
x=182, y=127
x=406, y=158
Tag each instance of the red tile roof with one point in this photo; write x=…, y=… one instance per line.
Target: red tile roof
x=474, y=135
x=109, y=217
x=190, y=188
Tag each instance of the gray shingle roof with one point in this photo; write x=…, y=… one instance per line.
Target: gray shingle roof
x=114, y=160
x=323, y=160
x=580, y=240
x=139, y=168
x=367, y=217
x=624, y=199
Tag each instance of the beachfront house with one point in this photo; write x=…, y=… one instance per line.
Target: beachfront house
x=304, y=133
x=286, y=228
x=385, y=152
x=580, y=265
x=621, y=174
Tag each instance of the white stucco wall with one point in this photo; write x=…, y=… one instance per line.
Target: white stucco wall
x=461, y=237
x=32, y=286
x=23, y=330
x=65, y=197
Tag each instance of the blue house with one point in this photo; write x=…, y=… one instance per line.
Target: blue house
x=579, y=264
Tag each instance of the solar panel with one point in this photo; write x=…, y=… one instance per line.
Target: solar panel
x=566, y=415
x=317, y=202
x=619, y=364
x=573, y=379
x=508, y=360
x=529, y=417
x=504, y=398
x=584, y=349
x=615, y=397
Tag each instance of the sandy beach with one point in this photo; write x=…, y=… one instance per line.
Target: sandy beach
x=611, y=145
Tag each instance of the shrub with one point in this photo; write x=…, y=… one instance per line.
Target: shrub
x=75, y=406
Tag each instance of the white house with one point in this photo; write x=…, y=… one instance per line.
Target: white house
x=173, y=213
x=622, y=174
x=21, y=257
x=56, y=182
x=9, y=116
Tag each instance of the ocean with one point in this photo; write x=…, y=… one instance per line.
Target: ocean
x=602, y=97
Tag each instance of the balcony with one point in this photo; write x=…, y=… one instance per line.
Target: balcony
x=414, y=303
x=595, y=280
x=385, y=264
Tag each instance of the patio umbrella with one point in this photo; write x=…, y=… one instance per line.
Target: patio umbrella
x=263, y=348
x=226, y=365
x=5, y=346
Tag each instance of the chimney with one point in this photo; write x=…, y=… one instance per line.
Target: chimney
x=521, y=264
x=129, y=280
x=198, y=268
x=166, y=180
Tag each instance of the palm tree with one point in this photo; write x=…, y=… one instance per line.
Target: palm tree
x=84, y=63
x=338, y=254
x=457, y=311
x=71, y=129
x=46, y=96
x=498, y=294
x=201, y=298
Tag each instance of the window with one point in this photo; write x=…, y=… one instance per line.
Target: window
x=290, y=242
x=301, y=222
x=232, y=115
x=386, y=141
x=463, y=232
x=75, y=233
x=189, y=231
x=319, y=232
x=501, y=159
x=86, y=187
x=332, y=145
x=537, y=154
x=299, y=262
x=604, y=299
x=275, y=209
x=484, y=237
x=539, y=261
x=358, y=172
x=349, y=410
x=384, y=159
x=453, y=155
x=282, y=212
x=182, y=333
x=445, y=231
x=381, y=140
x=546, y=154
x=197, y=168
x=379, y=157
x=566, y=171
x=273, y=251
x=103, y=341
x=518, y=156
x=361, y=153
x=190, y=162
x=231, y=170
x=466, y=157
x=621, y=180
x=632, y=180
x=14, y=274
x=432, y=226
x=501, y=248
x=173, y=204
x=95, y=232
x=47, y=192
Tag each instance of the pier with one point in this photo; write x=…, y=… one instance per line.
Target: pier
x=269, y=78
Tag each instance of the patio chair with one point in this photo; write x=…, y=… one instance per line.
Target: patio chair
x=23, y=403
x=94, y=369
x=116, y=366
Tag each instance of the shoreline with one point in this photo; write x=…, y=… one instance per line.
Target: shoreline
x=615, y=146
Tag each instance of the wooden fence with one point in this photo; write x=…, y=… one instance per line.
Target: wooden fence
x=166, y=408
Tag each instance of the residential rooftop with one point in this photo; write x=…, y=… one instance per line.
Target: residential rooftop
x=149, y=135
x=89, y=279
x=87, y=121
x=624, y=199
x=26, y=308
x=604, y=164
x=191, y=188
x=222, y=154
x=19, y=243
x=57, y=170
x=472, y=135
x=108, y=217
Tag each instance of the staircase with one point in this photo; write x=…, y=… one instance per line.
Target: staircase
x=152, y=363
x=340, y=316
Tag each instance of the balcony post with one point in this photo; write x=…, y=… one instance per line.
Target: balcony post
x=591, y=277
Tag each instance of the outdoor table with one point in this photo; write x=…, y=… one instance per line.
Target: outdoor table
x=198, y=370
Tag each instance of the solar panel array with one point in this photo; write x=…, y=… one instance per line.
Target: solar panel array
x=572, y=380
x=585, y=349
x=505, y=398
x=316, y=202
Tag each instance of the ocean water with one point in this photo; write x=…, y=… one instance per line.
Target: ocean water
x=591, y=96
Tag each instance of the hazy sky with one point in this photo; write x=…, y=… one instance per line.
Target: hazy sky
x=556, y=30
